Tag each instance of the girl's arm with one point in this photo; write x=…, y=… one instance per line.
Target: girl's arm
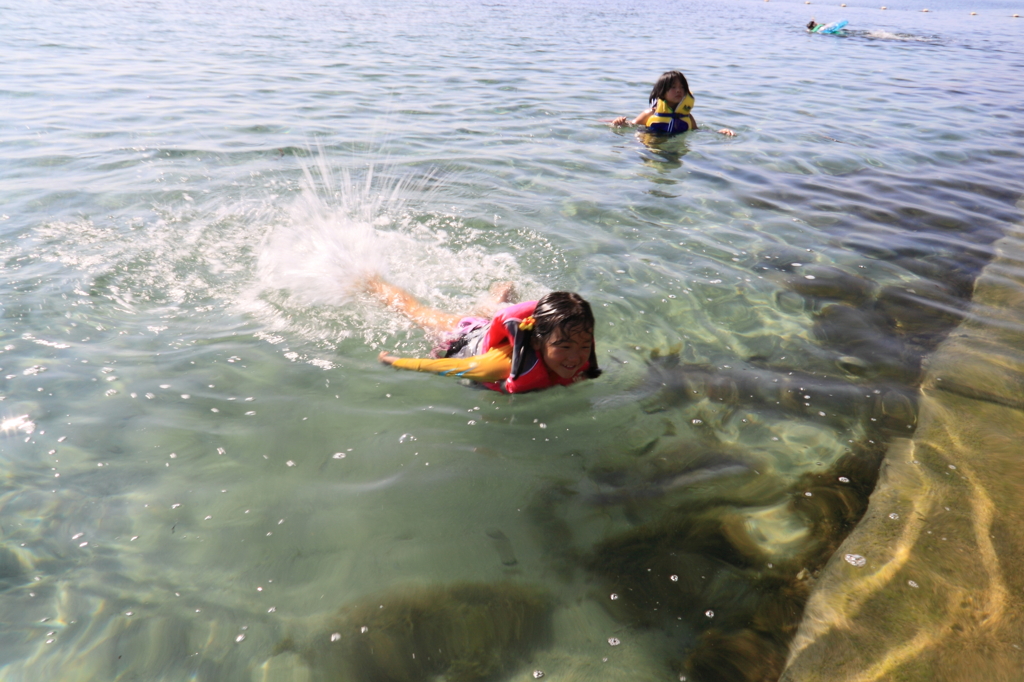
x=723, y=131
x=640, y=120
x=494, y=365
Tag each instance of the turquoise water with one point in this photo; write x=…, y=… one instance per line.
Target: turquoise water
x=201, y=455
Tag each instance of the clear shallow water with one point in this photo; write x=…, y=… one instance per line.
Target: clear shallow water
x=184, y=362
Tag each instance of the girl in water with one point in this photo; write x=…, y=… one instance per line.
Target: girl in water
x=524, y=347
x=671, y=102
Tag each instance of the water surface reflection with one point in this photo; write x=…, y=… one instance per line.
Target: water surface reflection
x=206, y=475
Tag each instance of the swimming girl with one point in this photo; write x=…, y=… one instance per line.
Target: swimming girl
x=524, y=347
x=671, y=102
x=836, y=27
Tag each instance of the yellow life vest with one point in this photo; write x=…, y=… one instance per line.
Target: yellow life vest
x=668, y=121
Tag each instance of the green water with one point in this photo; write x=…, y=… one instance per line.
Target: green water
x=202, y=457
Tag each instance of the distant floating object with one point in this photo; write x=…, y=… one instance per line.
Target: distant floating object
x=884, y=7
x=843, y=5
x=974, y=14
x=924, y=10
x=1016, y=16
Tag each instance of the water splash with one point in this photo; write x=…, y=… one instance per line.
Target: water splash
x=330, y=241
x=881, y=34
x=344, y=227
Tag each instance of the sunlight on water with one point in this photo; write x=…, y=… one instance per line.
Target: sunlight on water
x=207, y=475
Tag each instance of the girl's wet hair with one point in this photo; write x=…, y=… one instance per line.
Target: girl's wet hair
x=561, y=314
x=664, y=84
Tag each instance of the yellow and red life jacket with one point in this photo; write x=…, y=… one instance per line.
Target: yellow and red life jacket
x=668, y=121
x=528, y=373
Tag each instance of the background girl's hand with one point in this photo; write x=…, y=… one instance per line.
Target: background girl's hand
x=726, y=131
x=386, y=359
x=620, y=121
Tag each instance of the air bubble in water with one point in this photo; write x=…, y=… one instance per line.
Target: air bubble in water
x=674, y=578
x=614, y=596
x=614, y=641
x=537, y=674
x=855, y=560
x=894, y=516
x=709, y=613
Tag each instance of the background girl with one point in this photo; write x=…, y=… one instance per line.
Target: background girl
x=525, y=347
x=671, y=102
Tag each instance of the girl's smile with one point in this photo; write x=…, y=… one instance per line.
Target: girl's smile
x=566, y=355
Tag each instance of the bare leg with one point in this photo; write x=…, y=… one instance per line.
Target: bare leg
x=500, y=295
x=398, y=299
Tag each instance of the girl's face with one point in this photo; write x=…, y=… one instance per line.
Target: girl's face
x=676, y=93
x=565, y=355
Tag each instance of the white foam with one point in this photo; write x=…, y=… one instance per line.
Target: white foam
x=345, y=227
x=879, y=34
x=321, y=253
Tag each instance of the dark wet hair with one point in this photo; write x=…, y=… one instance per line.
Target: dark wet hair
x=664, y=84
x=811, y=25
x=561, y=314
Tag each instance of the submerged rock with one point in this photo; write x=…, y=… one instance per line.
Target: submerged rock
x=550, y=529
x=937, y=590
x=867, y=342
x=663, y=485
x=833, y=400
x=729, y=605
x=12, y=571
x=744, y=656
x=465, y=632
x=829, y=283
x=922, y=311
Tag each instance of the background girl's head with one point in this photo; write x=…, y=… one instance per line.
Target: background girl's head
x=564, y=319
x=665, y=83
